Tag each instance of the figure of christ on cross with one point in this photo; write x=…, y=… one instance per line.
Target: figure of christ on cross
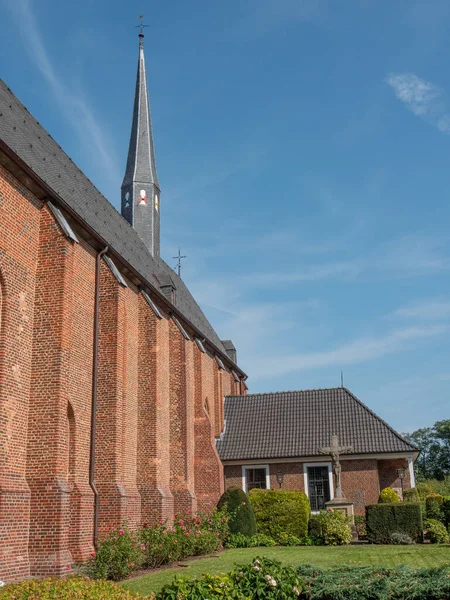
x=334, y=450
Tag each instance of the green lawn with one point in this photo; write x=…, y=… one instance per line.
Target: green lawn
x=322, y=556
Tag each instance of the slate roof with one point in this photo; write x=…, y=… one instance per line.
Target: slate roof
x=20, y=131
x=296, y=424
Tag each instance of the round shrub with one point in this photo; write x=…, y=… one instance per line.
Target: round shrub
x=241, y=518
x=401, y=539
x=336, y=529
x=388, y=496
x=279, y=512
x=436, y=532
x=72, y=588
x=433, y=507
x=411, y=495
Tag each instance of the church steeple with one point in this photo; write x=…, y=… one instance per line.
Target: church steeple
x=140, y=187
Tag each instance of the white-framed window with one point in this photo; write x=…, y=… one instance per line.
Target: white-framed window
x=319, y=486
x=255, y=476
x=412, y=478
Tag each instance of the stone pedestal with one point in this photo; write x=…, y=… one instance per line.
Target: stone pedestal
x=342, y=505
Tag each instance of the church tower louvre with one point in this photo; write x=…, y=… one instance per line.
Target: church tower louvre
x=140, y=187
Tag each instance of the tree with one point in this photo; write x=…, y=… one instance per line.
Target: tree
x=434, y=442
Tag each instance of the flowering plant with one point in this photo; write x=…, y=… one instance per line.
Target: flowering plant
x=117, y=556
x=267, y=579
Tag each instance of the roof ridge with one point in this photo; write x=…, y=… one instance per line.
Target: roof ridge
x=284, y=392
x=374, y=414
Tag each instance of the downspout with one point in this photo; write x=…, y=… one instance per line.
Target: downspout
x=94, y=392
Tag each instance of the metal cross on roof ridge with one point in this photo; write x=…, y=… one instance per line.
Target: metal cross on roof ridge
x=141, y=24
x=179, y=257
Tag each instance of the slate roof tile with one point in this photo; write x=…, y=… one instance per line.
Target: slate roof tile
x=296, y=424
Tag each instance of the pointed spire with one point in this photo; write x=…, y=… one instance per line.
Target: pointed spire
x=140, y=187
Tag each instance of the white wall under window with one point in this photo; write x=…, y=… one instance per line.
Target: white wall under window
x=245, y=468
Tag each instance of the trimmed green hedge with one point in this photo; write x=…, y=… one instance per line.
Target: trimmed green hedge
x=239, y=510
x=279, y=512
x=384, y=519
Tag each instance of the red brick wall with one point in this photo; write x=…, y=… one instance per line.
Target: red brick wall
x=389, y=476
x=360, y=482
x=154, y=416
x=80, y=394
x=208, y=468
x=361, y=479
x=155, y=448
x=19, y=246
x=181, y=428
x=48, y=450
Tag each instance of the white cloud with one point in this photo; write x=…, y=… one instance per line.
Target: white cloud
x=417, y=94
x=358, y=351
x=431, y=310
x=72, y=101
x=425, y=99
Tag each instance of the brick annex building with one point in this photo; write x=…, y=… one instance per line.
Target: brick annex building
x=111, y=378
x=276, y=439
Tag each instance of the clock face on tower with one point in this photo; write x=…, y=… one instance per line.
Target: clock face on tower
x=142, y=197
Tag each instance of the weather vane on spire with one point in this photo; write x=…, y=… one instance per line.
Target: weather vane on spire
x=141, y=24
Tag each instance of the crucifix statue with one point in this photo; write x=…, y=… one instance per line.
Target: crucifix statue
x=334, y=450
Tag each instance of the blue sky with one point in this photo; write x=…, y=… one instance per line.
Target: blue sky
x=302, y=149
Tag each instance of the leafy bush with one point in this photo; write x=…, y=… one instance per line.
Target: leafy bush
x=279, y=512
x=434, y=486
x=153, y=545
x=336, y=529
x=401, y=539
x=411, y=495
x=263, y=578
x=207, y=586
x=266, y=578
x=433, y=507
x=383, y=519
x=425, y=488
x=446, y=511
x=360, y=524
x=261, y=540
x=291, y=540
x=239, y=540
x=388, y=496
x=436, y=532
x=375, y=583
x=314, y=526
x=72, y=588
x=116, y=557
x=239, y=510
